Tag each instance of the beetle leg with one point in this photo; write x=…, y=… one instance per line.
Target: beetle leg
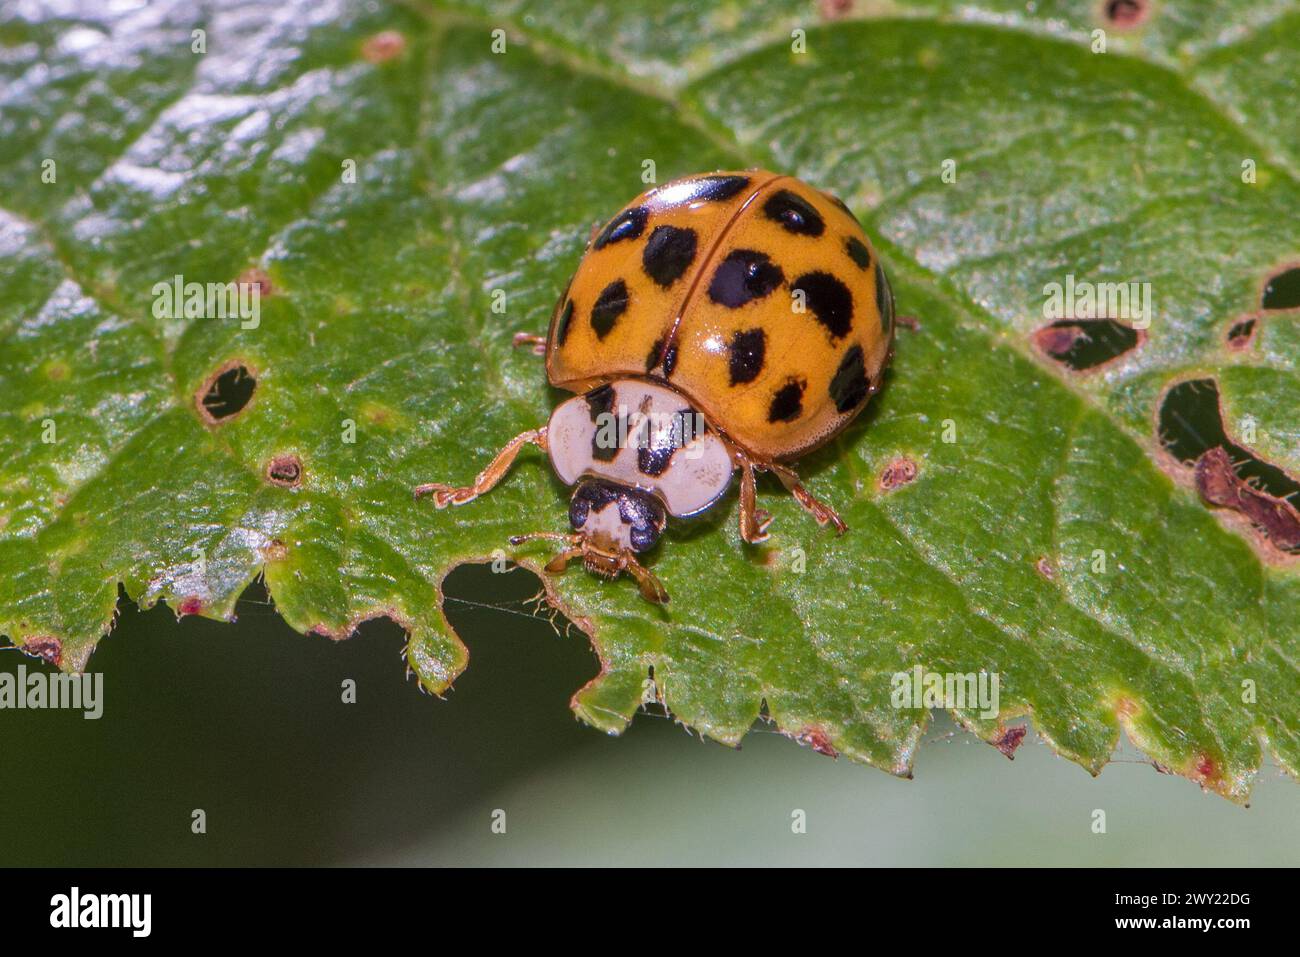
x=652, y=589
x=444, y=495
x=753, y=520
x=537, y=343
x=818, y=509
x=571, y=538
x=561, y=561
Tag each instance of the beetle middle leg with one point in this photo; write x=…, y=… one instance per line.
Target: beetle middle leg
x=444, y=495
x=753, y=520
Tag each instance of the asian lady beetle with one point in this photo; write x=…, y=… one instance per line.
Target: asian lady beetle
x=721, y=322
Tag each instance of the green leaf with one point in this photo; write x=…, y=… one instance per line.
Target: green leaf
x=479, y=171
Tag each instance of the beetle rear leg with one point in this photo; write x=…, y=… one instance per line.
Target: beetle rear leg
x=444, y=495
x=823, y=513
x=537, y=343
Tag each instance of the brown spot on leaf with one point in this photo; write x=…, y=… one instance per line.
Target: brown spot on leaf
x=1242, y=333
x=835, y=9
x=1083, y=345
x=1045, y=568
x=189, y=606
x=253, y=276
x=1205, y=769
x=384, y=46
x=1007, y=740
x=1191, y=430
x=1219, y=484
x=817, y=739
x=1126, y=14
x=274, y=551
x=897, y=473
x=285, y=470
x=46, y=647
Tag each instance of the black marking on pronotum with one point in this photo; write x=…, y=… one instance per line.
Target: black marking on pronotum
x=717, y=188
x=668, y=253
x=858, y=252
x=653, y=456
x=849, y=385
x=829, y=300
x=628, y=224
x=743, y=276
x=794, y=213
x=747, y=351
x=600, y=405
x=884, y=300
x=599, y=401
x=787, y=402
x=610, y=304
x=562, y=327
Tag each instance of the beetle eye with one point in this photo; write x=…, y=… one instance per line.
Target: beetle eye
x=579, y=508
x=643, y=537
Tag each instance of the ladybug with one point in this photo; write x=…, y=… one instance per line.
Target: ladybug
x=724, y=322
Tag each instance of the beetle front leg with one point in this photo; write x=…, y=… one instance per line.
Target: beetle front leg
x=444, y=495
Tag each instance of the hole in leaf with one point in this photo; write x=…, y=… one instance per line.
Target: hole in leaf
x=227, y=392
x=1227, y=475
x=1241, y=332
x=1282, y=291
x=1126, y=13
x=285, y=470
x=1083, y=344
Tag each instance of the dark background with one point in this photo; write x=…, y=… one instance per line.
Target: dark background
x=246, y=721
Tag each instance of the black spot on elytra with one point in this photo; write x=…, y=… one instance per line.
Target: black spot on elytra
x=829, y=300
x=787, y=402
x=566, y=320
x=652, y=359
x=668, y=254
x=748, y=349
x=717, y=188
x=628, y=224
x=794, y=213
x=743, y=276
x=849, y=385
x=858, y=252
x=670, y=359
x=884, y=300
x=1283, y=290
x=610, y=304
x=841, y=204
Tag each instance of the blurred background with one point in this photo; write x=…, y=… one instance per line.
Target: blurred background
x=247, y=722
